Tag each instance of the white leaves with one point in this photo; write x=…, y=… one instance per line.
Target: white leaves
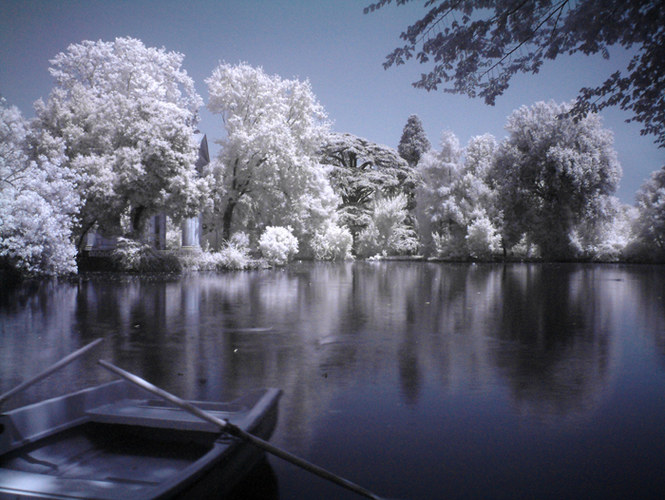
x=266, y=115
x=37, y=202
x=124, y=67
x=268, y=165
x=554, y=176
x=362, y=172
x=127, y=116
x=482, y=238
x=332, y=242
x=278, y=245
x=388, y=232
x=650, y=227
x=455, y=202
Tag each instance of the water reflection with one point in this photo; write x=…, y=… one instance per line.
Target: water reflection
x=550, y=343
x=547, y=330
x=555, y=350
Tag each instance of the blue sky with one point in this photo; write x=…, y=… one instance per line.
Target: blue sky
x=330, y=42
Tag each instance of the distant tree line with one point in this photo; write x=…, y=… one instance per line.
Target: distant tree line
x=113, y=145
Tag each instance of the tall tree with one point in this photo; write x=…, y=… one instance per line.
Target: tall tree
x=413, y=143
x=554, y=174
x=126, y=114
x=476, y=46
x=38, y=201
x=650, y=225
x=268, y=165
x=362, y=171
x=439, y=170
x=456, y=202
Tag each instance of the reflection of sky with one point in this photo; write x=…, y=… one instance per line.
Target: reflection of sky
x=500, y=369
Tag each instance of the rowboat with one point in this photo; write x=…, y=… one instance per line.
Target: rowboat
x=112, y=441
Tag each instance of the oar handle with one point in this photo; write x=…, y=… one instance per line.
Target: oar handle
x=64, y=361
x=236, y=431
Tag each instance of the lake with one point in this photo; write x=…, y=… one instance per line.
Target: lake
x=415, y=380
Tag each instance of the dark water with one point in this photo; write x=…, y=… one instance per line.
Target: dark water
x=418, y=381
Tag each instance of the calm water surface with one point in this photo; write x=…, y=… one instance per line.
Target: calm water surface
x=418, y=381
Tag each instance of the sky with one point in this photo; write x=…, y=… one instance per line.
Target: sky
x=331, y=43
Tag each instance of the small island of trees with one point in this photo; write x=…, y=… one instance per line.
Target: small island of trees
x=115, y=144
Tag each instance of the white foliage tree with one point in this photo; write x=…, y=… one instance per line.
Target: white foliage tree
x=605, y=239
x=38, y=201
x=482, y=238
x=332, y=242
x=650, y=224
x=388, y=231
x=438, y=170
x=267, y=172
x=126, y=114
x=456, y=213
x=554, y=176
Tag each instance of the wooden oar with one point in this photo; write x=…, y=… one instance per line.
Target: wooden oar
x=64, y=361
x=236, y=431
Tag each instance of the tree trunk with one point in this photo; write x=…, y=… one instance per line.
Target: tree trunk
x=80, y=242
x=227, y=219
x=138, y=224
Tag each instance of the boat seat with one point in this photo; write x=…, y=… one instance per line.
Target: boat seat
x=149, y=414
x=19, y=483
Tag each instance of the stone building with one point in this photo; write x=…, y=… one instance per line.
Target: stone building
x=191, y=228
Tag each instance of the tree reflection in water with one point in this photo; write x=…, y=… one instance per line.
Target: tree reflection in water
x=496, y=374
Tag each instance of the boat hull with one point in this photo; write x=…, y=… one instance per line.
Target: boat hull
x=112, y=442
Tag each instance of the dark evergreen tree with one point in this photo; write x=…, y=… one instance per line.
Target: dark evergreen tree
x=414, y=142
x=362, y=172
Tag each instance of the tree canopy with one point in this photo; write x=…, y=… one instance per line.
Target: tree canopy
x=268, y=166
x=362, y=171
x=476, y=46
x=650, y=227
x=554, y=176
x=38, y=201
x=115, y=143
x=455, y=202
x=126, y=115
x=414, y=142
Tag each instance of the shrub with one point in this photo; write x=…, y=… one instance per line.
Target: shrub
x=525, y=249
x=278, y=245
x=482, y=239
x=448, y=245
x=332, y=243
x=388, y=232
x=234, y=254
x=240, y=240
x=134, y=256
